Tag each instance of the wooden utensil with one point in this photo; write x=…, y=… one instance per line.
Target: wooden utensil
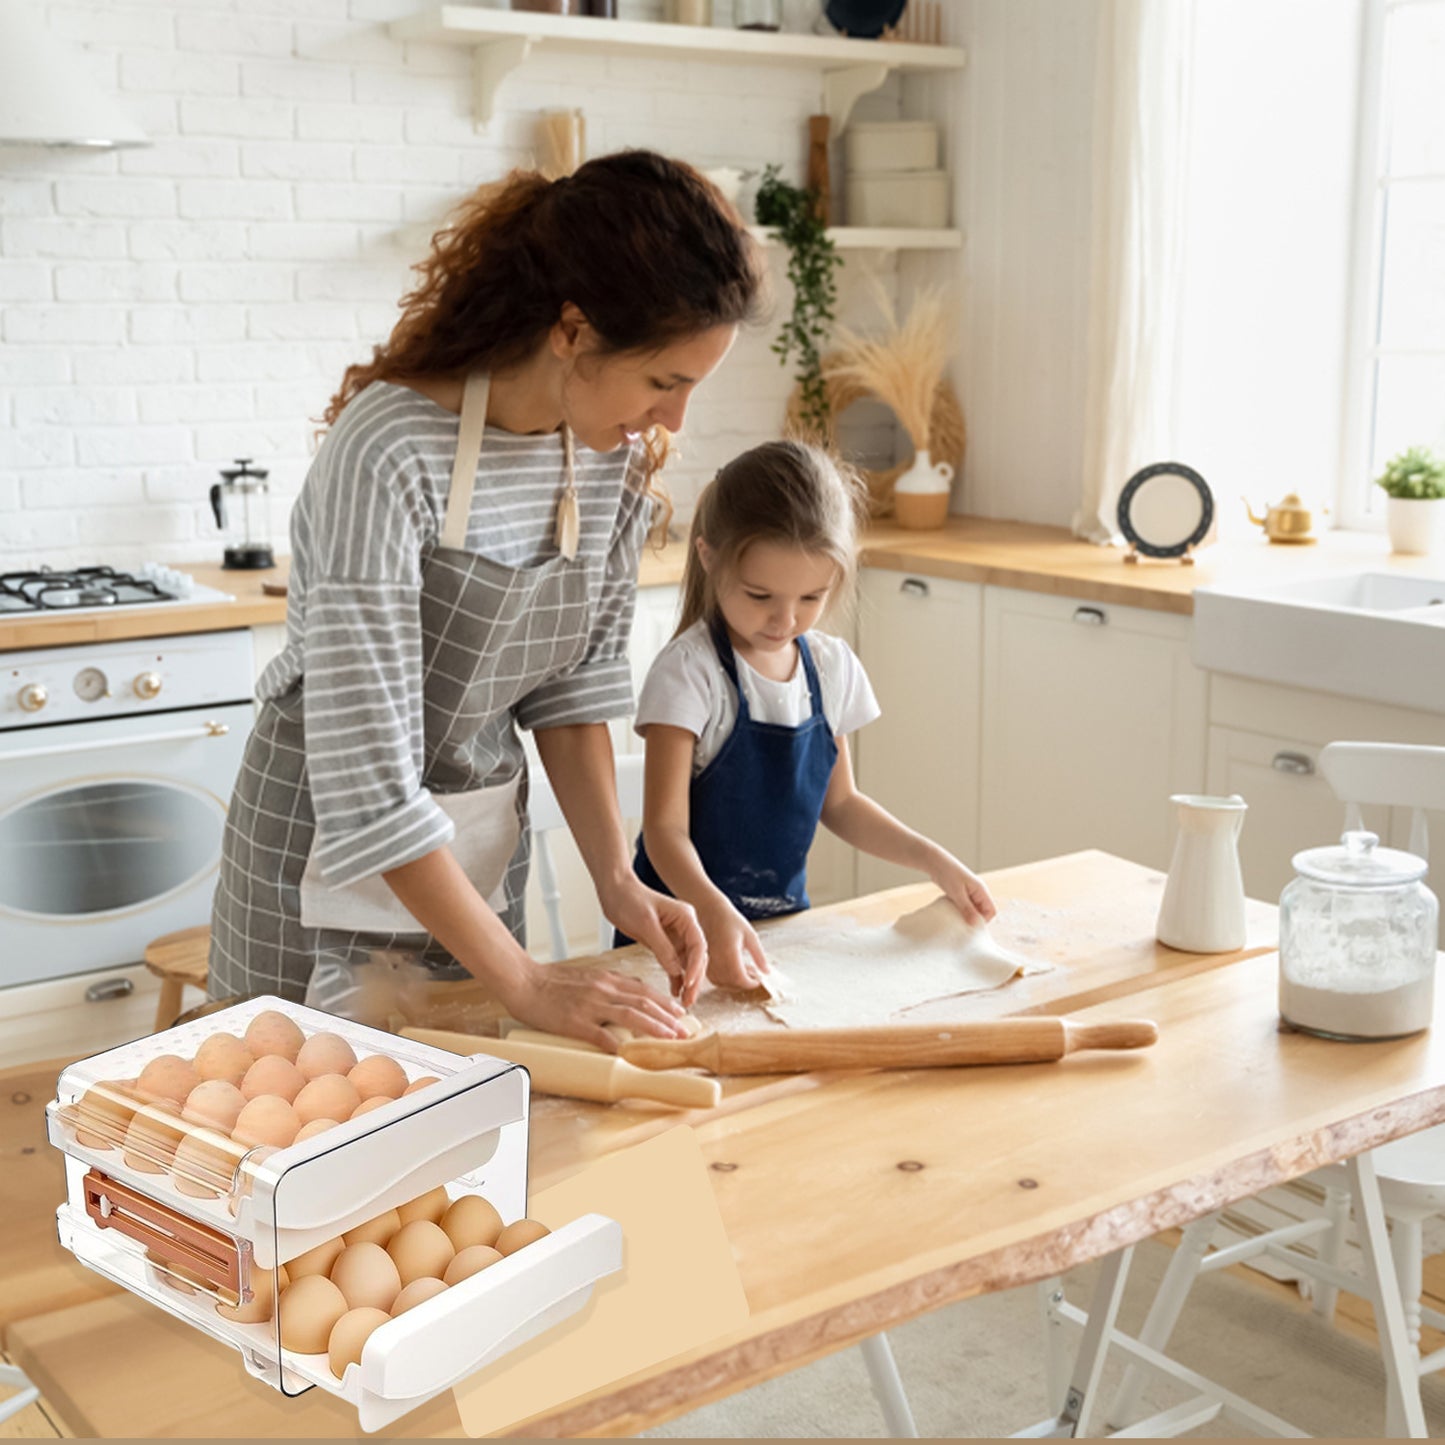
x=899, y=1046
x=577, y=1074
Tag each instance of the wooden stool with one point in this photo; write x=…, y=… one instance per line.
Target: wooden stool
x=178, y=959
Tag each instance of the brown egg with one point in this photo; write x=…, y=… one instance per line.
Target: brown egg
x=423, y=1083
x=168, y=1077
x=317, y=1260
x=103, y=1114
x=153, y=1136
x=471, y=1220
x=205, y=1164
x=349, y=1336
x=215, y=1102
x=375, y=1231
x=325, y=1053
x=309, y=1309
x=378, y=1075
x=272, y=1032
x=420, y=1248
x=415, y=1293
x=223, y=1056
x=327, y=1096
x=271, y=1074
x=370, y=1106
x=266, y=1120
x=262, y=1304
x=176, y=1276
x=431, y=1205
x=469, y=1261
x=312, y=1129
x=520, y=1234
x=367, y=1275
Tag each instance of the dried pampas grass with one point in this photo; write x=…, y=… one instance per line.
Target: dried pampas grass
x=904, y=366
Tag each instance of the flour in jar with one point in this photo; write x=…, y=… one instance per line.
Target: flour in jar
x=1388, y=1013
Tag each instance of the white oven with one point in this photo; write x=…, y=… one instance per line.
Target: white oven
x=117, y=762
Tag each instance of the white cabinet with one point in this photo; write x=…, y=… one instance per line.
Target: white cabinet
x=1264, y=743
x=267, y=640
x=1093, y=714
x=919, y=640
x=72, y=1017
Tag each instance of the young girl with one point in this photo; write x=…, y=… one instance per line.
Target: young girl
x=746, y=712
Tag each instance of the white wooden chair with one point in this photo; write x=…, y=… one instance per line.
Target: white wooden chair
x=546, y=816
x=1410, y=1171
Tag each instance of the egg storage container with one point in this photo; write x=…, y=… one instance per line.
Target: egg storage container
x=383, y=1255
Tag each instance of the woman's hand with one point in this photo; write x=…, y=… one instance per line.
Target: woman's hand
x=665, y=925
x=735, y=957
x=964, y=889
x=572, y=999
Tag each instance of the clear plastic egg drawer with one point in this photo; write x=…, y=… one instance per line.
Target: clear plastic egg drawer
x=346, y=1208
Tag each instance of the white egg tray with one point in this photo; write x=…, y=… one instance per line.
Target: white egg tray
x=420, y=1353
x=470, y=1126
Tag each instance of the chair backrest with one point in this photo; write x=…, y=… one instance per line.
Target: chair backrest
x=1395, y=775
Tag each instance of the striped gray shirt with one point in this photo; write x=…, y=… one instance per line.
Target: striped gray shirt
x=368, y=515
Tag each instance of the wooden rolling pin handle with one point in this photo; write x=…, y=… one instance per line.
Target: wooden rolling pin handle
x=1116, y=1034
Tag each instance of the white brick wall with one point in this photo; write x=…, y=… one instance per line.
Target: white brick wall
x=163, y=311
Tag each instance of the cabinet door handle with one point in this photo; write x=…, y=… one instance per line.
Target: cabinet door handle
x=1301, y=764
x=913, y=587
x=1090, y=616
x=109, y=988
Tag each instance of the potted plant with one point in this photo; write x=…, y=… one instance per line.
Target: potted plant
x=812, y=266
x=1414, y=483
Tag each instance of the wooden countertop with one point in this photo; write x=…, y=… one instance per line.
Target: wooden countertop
x=966, y=549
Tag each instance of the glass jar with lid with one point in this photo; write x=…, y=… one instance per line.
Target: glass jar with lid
x=1357, y=934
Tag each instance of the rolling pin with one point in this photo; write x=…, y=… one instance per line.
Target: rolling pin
x=577, y=1074
x=900, y=1046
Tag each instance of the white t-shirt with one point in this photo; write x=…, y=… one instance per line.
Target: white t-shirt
x=687, y=688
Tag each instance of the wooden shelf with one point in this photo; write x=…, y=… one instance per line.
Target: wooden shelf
x=503, y=39
x=877, y=238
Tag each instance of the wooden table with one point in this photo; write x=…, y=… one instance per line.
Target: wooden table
x=856, y=1202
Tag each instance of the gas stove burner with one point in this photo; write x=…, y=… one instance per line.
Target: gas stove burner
x=80, y=587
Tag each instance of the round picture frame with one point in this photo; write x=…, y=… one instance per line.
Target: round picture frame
x=1157, y=515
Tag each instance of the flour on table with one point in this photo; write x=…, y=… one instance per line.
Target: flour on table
x=840, y=977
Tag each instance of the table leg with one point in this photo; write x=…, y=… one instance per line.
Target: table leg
x=1056, y=1349
x=168, y=1003
x=888, y=1387
x=1404, y=1415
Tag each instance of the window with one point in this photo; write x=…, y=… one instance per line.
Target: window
x=1397, y=329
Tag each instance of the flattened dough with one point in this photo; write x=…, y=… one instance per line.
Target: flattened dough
x=834, y=976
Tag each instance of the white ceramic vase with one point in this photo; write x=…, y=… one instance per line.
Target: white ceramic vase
x=1416, y=524
x=1203, y=906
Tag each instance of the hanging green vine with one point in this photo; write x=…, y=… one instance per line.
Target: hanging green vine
x=813, y=262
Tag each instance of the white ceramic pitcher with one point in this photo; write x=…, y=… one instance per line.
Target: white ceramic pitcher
x=925, y=475
x=1203, y=907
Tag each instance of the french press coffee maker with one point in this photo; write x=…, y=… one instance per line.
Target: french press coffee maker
x=245, y=527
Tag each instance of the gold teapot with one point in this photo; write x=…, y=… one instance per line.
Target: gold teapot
x=1289, y=521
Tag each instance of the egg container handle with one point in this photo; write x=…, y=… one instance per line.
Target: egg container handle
x=170, y=1237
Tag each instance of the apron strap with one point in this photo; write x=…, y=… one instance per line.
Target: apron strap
x=464, y=464
x=724, y=646
x=810, y=670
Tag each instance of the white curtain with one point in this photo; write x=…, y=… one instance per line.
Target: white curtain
x=1142, y=118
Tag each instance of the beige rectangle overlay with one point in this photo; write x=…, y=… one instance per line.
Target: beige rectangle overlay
x=678, y=1287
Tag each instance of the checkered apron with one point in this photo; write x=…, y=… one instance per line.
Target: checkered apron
x=490, y=635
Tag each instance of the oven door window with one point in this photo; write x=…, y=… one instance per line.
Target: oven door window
x=105, y=847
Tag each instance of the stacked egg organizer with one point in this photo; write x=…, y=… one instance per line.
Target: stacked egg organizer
x=345, y=1208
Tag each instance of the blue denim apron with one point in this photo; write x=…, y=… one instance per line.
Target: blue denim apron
x=754, y=808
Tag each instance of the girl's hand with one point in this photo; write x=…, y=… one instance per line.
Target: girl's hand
x=665, y=925
x=965, y=890
x=735, y=957
x=572, y=999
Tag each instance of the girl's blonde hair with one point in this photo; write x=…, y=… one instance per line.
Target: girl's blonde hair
x=785, y=492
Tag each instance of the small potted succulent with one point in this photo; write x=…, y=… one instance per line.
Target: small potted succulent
x=1414, y=483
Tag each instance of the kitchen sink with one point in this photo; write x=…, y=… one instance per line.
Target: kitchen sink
x=1373, y=635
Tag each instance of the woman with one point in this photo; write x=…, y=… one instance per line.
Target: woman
x=452, y=580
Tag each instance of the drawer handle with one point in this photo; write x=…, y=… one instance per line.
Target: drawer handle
x=913, y=587
x=1300, y=764
x=1090, y=616
x=109, y=988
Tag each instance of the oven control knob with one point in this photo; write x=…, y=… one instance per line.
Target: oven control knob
x=147, y=685
x=33, y=696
